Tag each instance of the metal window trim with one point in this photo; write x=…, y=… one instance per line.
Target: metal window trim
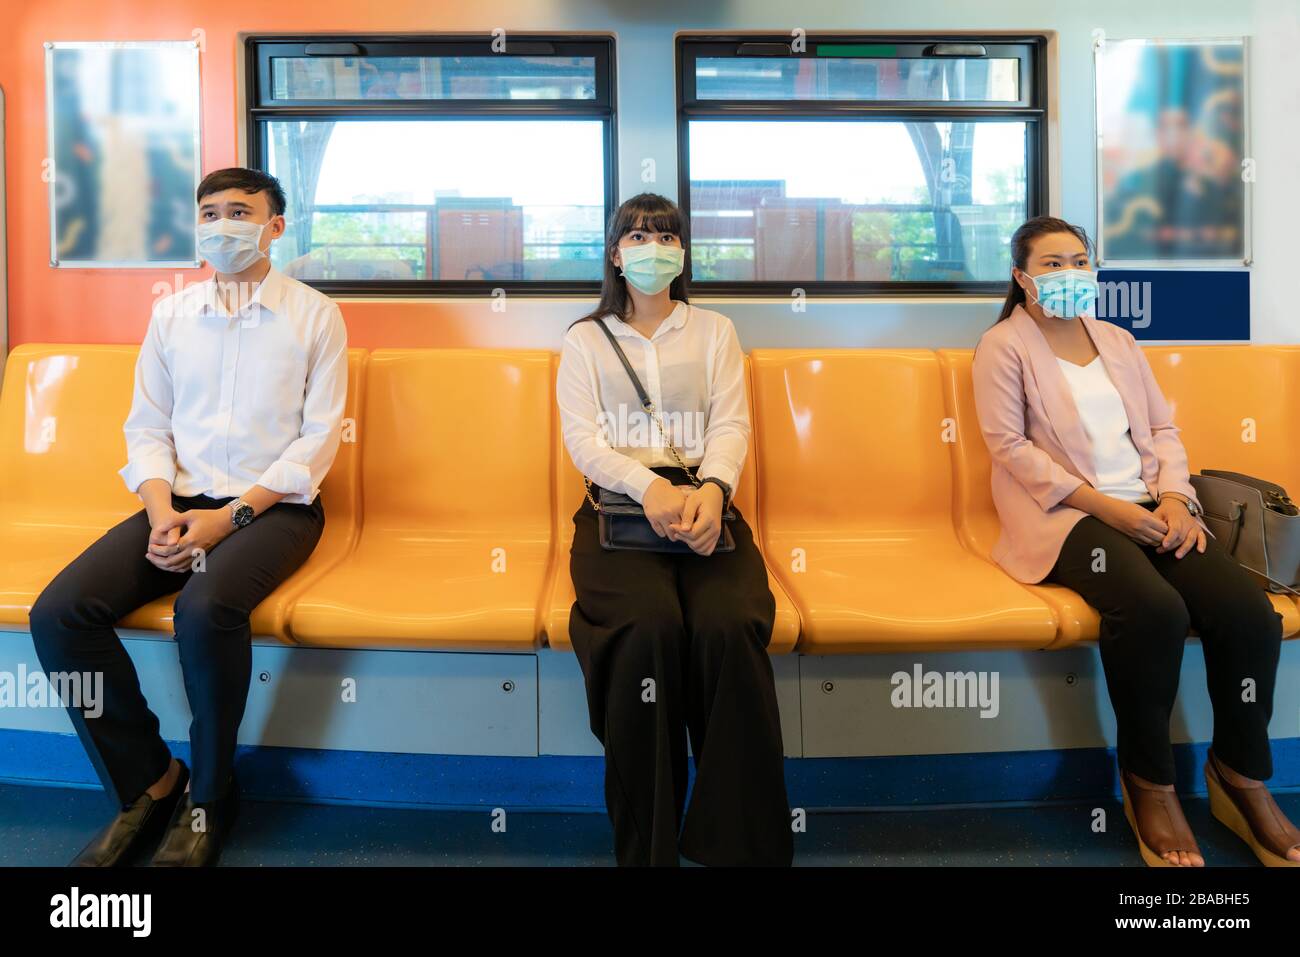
x=50, y=47
x=605, y=111
x=1037, y=161
x=1247, y=257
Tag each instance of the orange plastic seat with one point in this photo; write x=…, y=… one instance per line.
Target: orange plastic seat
x=340, y=493
x=855, y=491
x=977, y=519
x=1235, y=407
x=455, y=538
x=1219, y=392
x=569, y=494
x=61, y=443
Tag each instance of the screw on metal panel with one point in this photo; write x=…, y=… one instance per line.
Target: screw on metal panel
x=1071, y=679
x=507, y=686
x=828, y=686
x=264, y=677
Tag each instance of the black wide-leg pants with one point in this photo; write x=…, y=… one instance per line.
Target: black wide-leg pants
x=1147, y=602
x=72, y=628
x=672, y=645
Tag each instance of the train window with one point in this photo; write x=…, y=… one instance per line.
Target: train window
x=500, y=77
x=439, y=165
x=858, y=165
x=858, y=78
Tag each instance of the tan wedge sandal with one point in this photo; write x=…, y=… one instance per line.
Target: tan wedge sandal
x=1157, y=821
x=1252, y=814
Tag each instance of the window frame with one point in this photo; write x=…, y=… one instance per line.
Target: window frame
x=1031, y=109
x=260, y=48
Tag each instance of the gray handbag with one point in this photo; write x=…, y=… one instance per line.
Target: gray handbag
x=1257, y=524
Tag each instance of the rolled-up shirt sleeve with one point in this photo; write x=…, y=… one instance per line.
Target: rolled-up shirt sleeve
x=302, y=466
x=726, y=437
x=150, y=445
x=588, y=445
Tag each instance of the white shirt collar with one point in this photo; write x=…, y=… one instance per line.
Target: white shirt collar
x=267, y=298
x=675, y=320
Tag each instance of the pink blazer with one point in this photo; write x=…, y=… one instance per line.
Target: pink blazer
x=1040, y=450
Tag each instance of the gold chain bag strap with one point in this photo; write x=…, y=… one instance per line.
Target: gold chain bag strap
x=621, y=519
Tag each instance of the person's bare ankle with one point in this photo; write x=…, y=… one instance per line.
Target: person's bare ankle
x=1234, y=778
x=163, y=786
x=1151, y=785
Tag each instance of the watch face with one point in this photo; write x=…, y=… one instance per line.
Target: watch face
x=243, y=514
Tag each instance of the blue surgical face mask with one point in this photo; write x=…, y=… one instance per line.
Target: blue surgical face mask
x=1066, y=293
x=230, y=245
x=650, y=267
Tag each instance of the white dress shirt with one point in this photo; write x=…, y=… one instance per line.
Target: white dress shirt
x=693, y=371
x=1115, y=458
x=225, y=402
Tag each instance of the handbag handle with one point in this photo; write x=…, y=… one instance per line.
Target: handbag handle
x=646, y=404
x=1236, y=516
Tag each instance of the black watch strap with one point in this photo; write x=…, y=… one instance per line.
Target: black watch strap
x=726, y=489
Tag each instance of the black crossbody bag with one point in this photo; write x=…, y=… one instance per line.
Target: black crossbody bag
x=621, y=521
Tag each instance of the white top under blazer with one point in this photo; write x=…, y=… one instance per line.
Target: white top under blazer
x=694, y=372
x=1115, y=458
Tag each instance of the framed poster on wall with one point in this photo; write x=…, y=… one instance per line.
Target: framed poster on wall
x=123, y=154
x=1173, y=152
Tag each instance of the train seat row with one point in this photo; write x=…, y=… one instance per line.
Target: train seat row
x=448, y=509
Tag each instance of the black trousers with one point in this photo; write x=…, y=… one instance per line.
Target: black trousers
x=72, y=627
x=1147, y=601
x=671, y=645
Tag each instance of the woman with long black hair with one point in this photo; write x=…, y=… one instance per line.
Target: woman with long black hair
x=672, y=635
x=1092, y=488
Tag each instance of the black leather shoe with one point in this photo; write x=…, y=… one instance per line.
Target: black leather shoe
x=194, y=839
x=139, y=824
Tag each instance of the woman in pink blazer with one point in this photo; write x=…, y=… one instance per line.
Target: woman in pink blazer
x=1091, y=484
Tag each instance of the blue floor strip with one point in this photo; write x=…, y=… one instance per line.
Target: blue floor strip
x=575, y=783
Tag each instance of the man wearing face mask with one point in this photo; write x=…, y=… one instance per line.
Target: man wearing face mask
x=236, y=418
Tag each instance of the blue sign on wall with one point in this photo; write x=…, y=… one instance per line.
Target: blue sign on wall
x=1177, y=304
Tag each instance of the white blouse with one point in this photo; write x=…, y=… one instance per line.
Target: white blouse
x=693, y=370
x=1115, y=458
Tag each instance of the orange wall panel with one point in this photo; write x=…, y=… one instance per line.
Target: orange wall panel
x=112, y=306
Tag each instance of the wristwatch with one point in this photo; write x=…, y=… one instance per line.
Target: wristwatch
x=726, y=489
x=241, y=513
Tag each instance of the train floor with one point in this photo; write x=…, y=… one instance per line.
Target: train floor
x=47, y=826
